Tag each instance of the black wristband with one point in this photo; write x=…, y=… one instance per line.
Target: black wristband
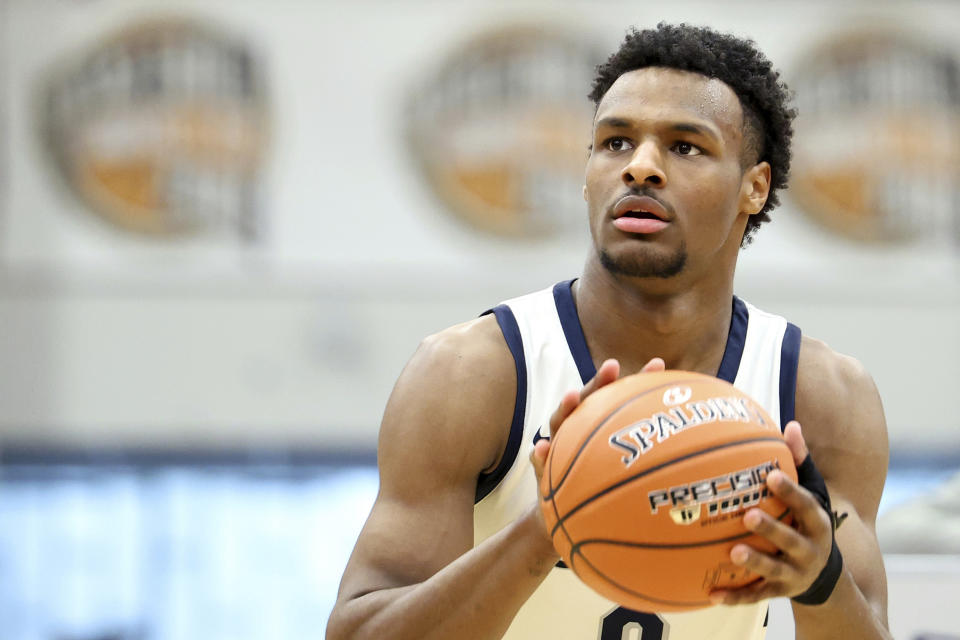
x=822, y=587
x=809, y=477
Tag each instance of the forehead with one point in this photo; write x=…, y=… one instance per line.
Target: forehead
x=654, y=93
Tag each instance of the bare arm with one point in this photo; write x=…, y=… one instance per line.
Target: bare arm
x=845, y=431
x=414, y=572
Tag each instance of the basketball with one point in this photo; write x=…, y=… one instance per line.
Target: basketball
x=646, y=484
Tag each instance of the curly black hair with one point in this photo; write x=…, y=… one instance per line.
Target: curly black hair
x=768, y=121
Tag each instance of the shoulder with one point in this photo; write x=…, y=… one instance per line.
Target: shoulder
x=841, y=414
x=831, y=384
x=472, y=355
x=456, y=393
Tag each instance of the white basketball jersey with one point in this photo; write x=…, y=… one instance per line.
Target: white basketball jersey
x=544, y=334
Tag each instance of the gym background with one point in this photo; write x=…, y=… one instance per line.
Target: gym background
x=225, y=226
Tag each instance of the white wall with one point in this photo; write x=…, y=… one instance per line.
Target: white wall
x=109, y=338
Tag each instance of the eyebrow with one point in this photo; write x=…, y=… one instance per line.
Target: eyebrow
x=614, y=122
x=695, y=129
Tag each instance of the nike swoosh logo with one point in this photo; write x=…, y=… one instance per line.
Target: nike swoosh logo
x=538, y=436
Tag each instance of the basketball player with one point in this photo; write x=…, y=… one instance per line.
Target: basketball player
x=691, y=141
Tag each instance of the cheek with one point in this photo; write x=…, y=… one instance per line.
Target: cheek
x=713, y=207
x=719, y=191
x=593, y=184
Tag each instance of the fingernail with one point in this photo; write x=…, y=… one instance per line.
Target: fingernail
x=716, y=597
x=739, y=555
x=752, y=519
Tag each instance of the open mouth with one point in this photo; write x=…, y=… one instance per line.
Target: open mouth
x=641, y=208
x=642, y=215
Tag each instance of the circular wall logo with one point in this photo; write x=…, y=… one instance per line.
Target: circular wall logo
x=161, y=129
x=877, y=149
x=500, y=130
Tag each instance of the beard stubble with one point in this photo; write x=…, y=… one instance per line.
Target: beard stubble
x=645, y=266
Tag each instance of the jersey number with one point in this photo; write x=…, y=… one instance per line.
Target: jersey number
x=627, y=624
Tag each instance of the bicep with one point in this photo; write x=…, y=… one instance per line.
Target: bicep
x=405, y=541
x=443, y=425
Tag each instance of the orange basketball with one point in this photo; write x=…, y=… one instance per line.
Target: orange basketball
x=647, y=482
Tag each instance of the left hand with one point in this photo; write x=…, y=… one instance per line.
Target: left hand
x=803, y=548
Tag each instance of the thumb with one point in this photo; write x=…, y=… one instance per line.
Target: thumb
x=655, y=364
x=794, y=437
x=538, y=456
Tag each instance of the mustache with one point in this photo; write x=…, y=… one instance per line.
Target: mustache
x=649, y=193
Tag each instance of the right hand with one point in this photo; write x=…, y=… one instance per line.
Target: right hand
x=608, y=372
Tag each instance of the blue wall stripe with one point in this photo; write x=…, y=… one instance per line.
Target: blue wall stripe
x=487, y=482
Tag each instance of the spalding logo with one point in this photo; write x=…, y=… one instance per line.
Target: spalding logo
x=676, y=395
x=639, y=437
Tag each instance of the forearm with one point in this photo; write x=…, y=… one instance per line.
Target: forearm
x=846, y=614
x=474, y=597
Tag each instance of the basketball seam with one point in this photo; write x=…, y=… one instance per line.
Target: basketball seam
x=599, y=426
x=676, y=603
x=654, y=469
x=549, y=471
x=553, y=503
x=575, y=552
x=668, y=545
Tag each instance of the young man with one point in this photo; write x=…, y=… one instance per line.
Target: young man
x=690, y=145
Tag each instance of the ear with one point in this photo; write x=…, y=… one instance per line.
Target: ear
x=754, y=188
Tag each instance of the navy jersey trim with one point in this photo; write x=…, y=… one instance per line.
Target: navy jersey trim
x=570, y=321
x=736, y=339
x=487, y=482
x=577, y=342
x=789, y=361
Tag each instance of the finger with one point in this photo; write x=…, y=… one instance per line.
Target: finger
x=764, y=565
x=568, y=403
x=607, y=373
x=806, y=509
x=753, y=592
x=656, y=364
x=784, y=537
x=793, y=434
x=538, y=457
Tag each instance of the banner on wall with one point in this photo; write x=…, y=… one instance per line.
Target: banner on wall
x=161, y=129
x=877, y=146
x=500, y=130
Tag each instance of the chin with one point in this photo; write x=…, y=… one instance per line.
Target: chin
x=645, y=264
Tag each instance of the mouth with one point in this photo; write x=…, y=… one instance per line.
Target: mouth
x=640, y=214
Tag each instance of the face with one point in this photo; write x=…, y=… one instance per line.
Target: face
x=666, y=189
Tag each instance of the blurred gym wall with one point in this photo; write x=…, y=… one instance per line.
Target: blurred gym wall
x=228, y=224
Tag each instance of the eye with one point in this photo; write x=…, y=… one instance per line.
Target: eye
x=687, y=149
x=617, y=144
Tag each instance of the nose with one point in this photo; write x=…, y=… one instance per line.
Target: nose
x=645, y=167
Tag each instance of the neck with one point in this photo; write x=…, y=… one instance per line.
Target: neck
x=636, y=319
